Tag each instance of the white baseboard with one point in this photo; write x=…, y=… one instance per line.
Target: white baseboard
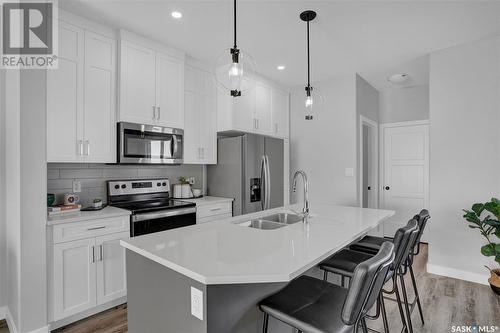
x=10, y=322
x=5, y=314
x=458, y=274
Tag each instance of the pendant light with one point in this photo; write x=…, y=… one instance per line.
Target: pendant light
x=234, y=68
x=313, y=99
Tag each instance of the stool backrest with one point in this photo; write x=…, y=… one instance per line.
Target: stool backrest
x=366, y=284
x=401, y=242
x=408, y=249
x=423, y=217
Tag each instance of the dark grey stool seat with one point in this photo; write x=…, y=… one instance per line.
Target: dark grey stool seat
x=316, y=306
x=344, y=262
x=310, y=305
x=369, y=244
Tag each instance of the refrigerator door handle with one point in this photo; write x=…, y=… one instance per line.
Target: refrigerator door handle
x=262, y=182
x=268, y=184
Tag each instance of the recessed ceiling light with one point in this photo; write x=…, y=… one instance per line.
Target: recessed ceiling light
x=176, y=15
x=398, y=78
x=281, y=67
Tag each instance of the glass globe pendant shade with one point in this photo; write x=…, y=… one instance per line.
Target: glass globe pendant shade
x=235, y=74
x=313, y=101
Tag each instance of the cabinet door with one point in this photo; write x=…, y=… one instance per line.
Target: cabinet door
x=100, y=127
x=65, y=98
x=192, y=151
x=208, y=120
x=244, y=109
x=170, y=91
x=111, y=274
x=263, y=108
x=74, y=277
x=137, y=84
x=280, y=113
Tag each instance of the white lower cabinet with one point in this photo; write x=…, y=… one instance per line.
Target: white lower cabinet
x=87, y=272
x=111, y=275
x=74, y=277
x=214, y=212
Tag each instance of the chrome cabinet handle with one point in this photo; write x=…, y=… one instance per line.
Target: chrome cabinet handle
x=202, y=152
x=158, y=114
x=275, y=127
x=257, y=120
x=96, y=228
x=93, y=254
x=80, y=147
x=87, y=143
x=215, y=209
x=101, y=252
x=154, y=112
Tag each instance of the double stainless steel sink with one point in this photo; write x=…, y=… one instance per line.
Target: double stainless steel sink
x=274, y=221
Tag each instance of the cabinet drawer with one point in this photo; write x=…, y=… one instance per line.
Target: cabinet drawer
x=213, y=218
x=214, y=209
x=91, y=228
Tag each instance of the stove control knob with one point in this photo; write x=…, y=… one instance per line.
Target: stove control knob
x=124, y=186
x=117, y=186
x=158, y=184
x=164, y=184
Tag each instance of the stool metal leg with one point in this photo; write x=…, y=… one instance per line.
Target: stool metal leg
x=417, y=297
x=342, y=281
x=400, y=307
x=265, y=323
x=363, y=325
x=407, y=305
x=384, y=313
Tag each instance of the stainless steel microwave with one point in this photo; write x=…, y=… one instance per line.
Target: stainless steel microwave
x=147, y=144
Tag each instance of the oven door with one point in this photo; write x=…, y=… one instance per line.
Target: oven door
x=147, y=223
x=147, y=144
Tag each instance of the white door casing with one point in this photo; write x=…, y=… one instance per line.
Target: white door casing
x=372, y=163
x=405, y=171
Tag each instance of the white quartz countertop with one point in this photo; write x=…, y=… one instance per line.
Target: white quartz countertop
x=207, y=200
x=223, y=252
x=84, y=216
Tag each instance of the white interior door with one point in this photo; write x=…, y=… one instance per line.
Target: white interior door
x=405, y=171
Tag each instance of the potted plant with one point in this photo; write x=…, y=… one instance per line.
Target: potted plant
x=485, y=217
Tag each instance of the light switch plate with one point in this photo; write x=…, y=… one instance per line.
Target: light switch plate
x=349, y=172
x=77, y=186
x=197, y=303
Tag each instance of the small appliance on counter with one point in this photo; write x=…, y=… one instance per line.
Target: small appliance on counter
x=152, y=208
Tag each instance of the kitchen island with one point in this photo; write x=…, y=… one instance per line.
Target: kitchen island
x=209, y=278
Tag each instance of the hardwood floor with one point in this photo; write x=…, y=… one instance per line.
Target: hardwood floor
x=445, y=302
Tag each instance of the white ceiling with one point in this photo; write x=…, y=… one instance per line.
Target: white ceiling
x=373, y=38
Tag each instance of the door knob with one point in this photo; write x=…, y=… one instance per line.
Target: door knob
x=369, y=188
x=387, y=188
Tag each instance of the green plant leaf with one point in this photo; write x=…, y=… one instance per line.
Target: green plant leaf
x=493, y=223
x=488, y=250
x=471, y=217
x=478, y=208
x=495, y=200
x=473, y=226
x=493, y=207
x=497, y=233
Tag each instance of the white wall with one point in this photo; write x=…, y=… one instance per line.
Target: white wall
x=325, y=146
x=3, y=256
x=404, y=104
x=465, y=153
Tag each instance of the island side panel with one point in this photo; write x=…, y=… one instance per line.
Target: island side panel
x=159, y=299
x=233, y=308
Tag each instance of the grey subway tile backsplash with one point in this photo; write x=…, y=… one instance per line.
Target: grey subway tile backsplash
x=93, y=177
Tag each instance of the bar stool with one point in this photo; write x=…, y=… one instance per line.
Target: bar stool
x=345, y=262
x=316, y=306
x=370, y=244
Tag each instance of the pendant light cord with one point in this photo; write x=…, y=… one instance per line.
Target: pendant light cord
x=235, y=24
x=308, y=59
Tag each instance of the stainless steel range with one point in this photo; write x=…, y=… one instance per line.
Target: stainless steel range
x=151, y=206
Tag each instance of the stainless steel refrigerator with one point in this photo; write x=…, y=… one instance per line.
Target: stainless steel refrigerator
x=250, y=170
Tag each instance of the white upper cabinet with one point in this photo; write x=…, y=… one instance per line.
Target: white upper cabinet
x=169, y=91
x=200, y=131
x=262, y=110
x=81, y=98
x=151, y=83
x=137, y=84
x=100, y=98
x=280, y=113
